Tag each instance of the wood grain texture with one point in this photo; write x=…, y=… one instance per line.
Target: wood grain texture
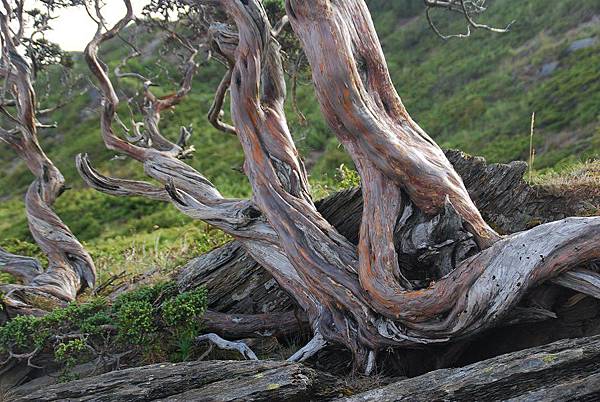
x=362, y=295
x=565, y=370
x=193, y=381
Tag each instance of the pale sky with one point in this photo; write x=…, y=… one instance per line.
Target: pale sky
x=73, y=28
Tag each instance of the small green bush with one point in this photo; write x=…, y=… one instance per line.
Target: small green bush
x=183, y=308
x=151, y=320
x=135, y=320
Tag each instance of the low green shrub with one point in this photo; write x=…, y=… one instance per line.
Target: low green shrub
x=154, y=320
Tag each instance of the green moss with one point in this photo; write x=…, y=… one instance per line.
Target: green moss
x=549, y=358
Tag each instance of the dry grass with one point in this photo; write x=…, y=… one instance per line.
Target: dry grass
x=581, y=182
x=6, y=395
x=582, y=178
x=353, y=383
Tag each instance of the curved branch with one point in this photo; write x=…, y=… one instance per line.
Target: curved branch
x=365, y=112
x=316, y=344
x=221, y=343
x=115, y=186
x=216, y=109
x=23, y=268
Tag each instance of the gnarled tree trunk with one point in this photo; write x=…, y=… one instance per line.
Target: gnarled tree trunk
x=70, y=267
x=361, y=296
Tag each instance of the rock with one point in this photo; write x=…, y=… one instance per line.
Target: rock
x=548, y=68
x=193, y=381
x=565, y=370
x=581, y=44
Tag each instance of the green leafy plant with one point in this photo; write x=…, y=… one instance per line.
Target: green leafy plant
x=135, y=321
x=349, y=178
x=69, y=354
x=183, y=308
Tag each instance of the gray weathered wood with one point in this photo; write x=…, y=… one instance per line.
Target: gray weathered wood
x=237, y=284
x=510, y=203
x=194, y=381
x=559, y=371
x=581, y=280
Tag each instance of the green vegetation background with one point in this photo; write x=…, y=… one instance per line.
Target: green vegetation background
x=475, y=94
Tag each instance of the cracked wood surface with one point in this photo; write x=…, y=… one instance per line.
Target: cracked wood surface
x=565, y=370
x=193, y=381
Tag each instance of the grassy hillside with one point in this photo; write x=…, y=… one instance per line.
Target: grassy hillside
x=475, y=94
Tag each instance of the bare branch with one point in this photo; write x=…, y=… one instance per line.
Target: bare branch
x=216, y=109
x=466, y=8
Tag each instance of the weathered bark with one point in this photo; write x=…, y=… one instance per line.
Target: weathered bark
x=507, y=201
x=238, y=284
x=360, y=297
x=207, y=381
x=254, y=325
x=363, y=109
x=567, y=369
x=70, y=268
x=235, y=282
x=564, y=370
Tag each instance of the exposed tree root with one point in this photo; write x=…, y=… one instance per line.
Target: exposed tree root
x=310, y=349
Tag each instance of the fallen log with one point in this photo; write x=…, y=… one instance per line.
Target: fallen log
x=564, y=370
x=193, y=381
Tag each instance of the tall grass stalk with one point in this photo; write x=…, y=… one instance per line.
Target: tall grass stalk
x=531, y=149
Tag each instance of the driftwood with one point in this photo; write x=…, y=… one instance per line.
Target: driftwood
x=565, y=370
x=194, y=381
